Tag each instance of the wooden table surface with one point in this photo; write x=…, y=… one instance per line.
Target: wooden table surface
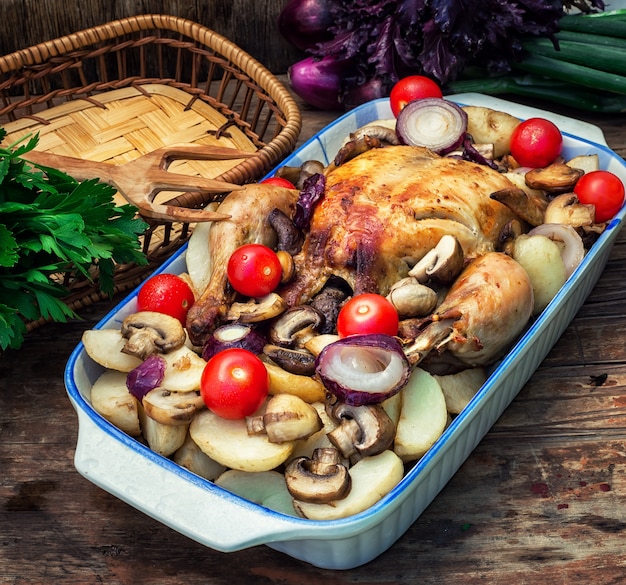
x=542, y=499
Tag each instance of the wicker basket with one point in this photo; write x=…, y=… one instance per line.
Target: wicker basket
x=116, y=91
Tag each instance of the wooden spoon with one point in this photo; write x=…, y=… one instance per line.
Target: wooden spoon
x=141, y=179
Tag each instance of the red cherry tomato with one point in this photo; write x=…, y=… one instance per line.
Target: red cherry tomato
x=166, y=293
x=536, y=143
x=602, y=189
x=254, y=270
x=234, y=383
x=367, y=313
x=279, y=182
x=411, y=88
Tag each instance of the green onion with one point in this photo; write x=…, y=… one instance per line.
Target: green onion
x=565, y=94
x=604, y=58
x=571, y=72
x=608, y=24
x=590, y=39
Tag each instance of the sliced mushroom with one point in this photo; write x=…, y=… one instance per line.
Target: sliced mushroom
x=526, y=204
x=286, y=418
x=555, y=178
x=566, y=209
x=296, y=361
x=372, y=478
x=320, y=479
x=363, y=430
x=411, y=298
x=290, y=238
x=442, y=264
x=267, y=307
x=149, y=332
x=172, y=408
x=295, y=326
x=506, y=238
x=287, y=265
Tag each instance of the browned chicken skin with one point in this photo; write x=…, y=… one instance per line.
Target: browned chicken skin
x=249, y=210
x=386, y=208
x=381, y=212
x=484, y=311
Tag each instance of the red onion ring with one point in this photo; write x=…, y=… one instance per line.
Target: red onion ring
x=363, y=369
x=434, y=123
x=573, y=249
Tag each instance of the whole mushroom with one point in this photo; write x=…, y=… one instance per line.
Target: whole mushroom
x=149, y=332
x=319, y=479
x=362, y=431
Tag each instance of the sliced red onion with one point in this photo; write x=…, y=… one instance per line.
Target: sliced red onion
x=363, y=369
x=233, y=335
x=573, y=249
x=147, y=376
x=434, y=123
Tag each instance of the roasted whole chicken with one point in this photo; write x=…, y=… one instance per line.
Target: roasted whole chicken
x=381, y=212
x=385, y=209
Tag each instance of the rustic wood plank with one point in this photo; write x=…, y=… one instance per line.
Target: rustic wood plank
x=251, y=25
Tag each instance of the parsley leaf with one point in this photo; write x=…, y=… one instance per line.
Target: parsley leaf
x=53, y=227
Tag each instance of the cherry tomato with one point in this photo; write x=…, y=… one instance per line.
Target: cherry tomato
x=367, y=313
x=602, y=189
x=254, y=270
x=166, y=293
x=536, y=143
x=411, y=88
x=279, y=182
x=234, y=383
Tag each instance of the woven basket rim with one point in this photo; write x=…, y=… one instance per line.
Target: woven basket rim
x=283, y=142
x=16, y=66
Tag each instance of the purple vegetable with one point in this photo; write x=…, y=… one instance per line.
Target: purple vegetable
x=304, y=23
x=312, y=192
x=434, y=123
x=363, y=369
x=318, y=81
x=366, y=92
x=233, y=335
x=471, y=153
x=146, y=376
x=390, y=39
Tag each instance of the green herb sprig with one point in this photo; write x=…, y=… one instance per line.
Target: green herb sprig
x=52, y=226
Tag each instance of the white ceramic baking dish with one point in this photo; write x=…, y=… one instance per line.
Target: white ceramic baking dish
x=225, y=522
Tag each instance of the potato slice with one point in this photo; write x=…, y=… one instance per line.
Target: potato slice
x=542, y=260
x=267, y=488
x=162, y=439
x=111, y=399
x=423, y=416
x=191, y=457
x=199, y=259
x=183, y=371
x=489, y=126
x=284, y=382
x=458, y=389
x=318, y=440
x=585, y=162
x=228, y=442
x=372, y=478
x=104, y=346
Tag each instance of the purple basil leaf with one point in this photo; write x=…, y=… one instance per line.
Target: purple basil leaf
x=311, y=193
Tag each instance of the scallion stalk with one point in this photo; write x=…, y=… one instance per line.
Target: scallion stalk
x=612, y=25
x=565, y=94
x=572, y=72
x=599, y=57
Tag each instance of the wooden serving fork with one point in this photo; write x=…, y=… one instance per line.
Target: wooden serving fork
x=141, y=179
